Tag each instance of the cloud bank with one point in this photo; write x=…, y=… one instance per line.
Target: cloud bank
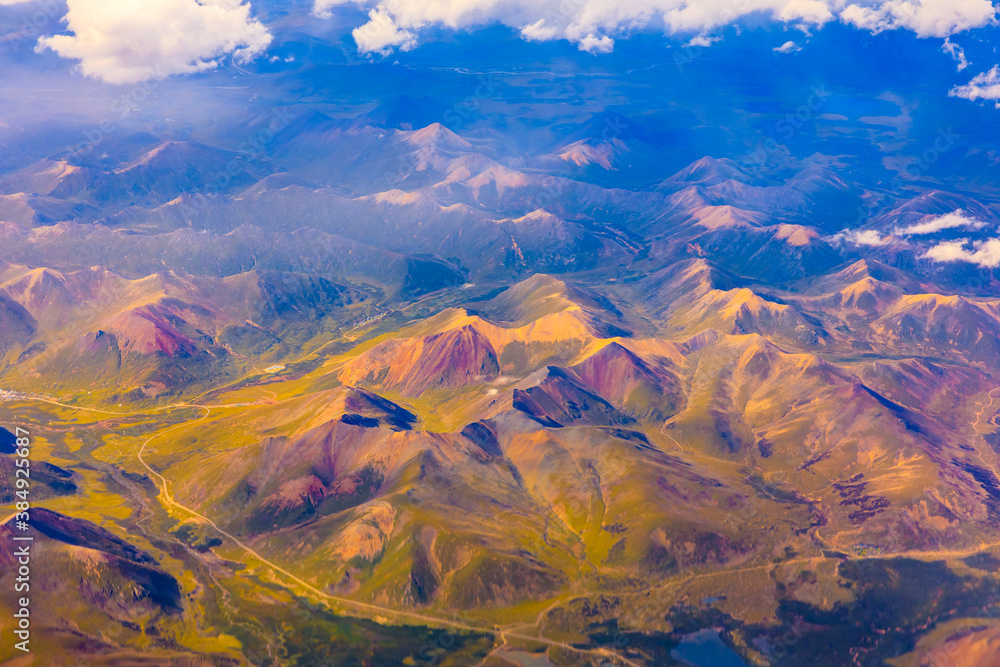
x=982, y=253
x=593, y=24
x=127, y=41
x=930, y=18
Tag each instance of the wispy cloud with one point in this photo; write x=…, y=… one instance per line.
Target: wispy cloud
x=868, y=237
x=956, y=52
x=702, y=40
x=955, y=220
x=788, y=47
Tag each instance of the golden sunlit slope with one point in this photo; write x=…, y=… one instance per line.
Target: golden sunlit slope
x=951, y=324
x=937, y=388
x=535, y=322
x=453, y=358
x=858, y=293
x=693, y=296
x=978, y=646
x=868, y=295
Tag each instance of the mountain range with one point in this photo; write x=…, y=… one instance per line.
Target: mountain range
x=545, y=359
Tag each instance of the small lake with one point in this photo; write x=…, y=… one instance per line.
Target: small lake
x=705, y=648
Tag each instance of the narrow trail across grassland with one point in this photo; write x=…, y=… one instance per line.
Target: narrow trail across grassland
x=169, y=502
x=425, y=619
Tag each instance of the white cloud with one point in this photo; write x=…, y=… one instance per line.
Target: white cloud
x=985, y=86
x=788, y=47
x=869, y=237
x=955, y=220
x=592, y=24
x=982, y=253
x=381, y=34
x=594, y=44
x=927, y=18
x=956, y=52
x=701, y=40
x=539, y=31
x=125, y=41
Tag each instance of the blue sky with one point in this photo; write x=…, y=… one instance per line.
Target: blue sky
x=126, y=41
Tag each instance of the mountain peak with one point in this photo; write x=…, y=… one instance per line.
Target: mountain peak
x=727, y=217
x=436, y=135
x=539, y=216
x=588, y=152
x=402, y=198
x=529, y=300
x=797, y=235
x=869, y=268
x=164, y=149
x=708, y=171
x=743, y=299
x=858, y=270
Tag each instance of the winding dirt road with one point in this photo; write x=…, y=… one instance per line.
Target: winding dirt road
x=424, y=619
x=977, y=436
x=170, y=503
